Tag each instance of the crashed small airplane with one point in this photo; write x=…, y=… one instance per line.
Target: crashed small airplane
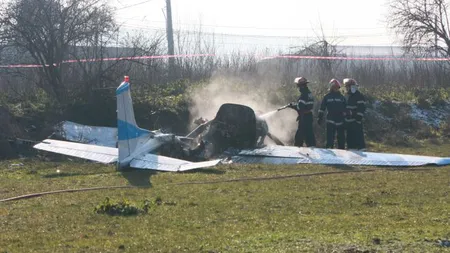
x=235, y=135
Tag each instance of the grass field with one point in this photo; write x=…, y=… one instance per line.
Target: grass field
x=362, y=209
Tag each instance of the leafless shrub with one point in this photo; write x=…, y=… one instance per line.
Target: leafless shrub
x=47, y=29
x=424, y=24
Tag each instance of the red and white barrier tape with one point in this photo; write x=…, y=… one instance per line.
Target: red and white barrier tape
x=111, y=59
x=142, y=57
x=261, y=57
x=355, y=58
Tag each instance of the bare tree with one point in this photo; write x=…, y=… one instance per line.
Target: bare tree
x=423, y=23
x=47, y=29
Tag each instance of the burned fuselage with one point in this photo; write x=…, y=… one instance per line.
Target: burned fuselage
x=234, y=127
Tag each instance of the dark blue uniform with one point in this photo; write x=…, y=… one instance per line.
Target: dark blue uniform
x=304, y=108
x=335, y=105
x=356, y=105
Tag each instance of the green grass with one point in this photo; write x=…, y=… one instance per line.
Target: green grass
x=382, y=210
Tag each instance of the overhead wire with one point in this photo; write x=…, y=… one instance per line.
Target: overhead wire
x=230, y=39
x=133, y=5
x=250, y=27
x=143, y=27
x=154, y=28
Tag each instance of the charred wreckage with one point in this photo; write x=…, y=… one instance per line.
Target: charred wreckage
x=235, y=135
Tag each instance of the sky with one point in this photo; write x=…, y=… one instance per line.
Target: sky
x=266, y=23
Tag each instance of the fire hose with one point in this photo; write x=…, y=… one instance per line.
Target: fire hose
x=34, y=195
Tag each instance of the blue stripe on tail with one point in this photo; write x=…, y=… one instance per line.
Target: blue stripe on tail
x=127, y=131
x=122, y=88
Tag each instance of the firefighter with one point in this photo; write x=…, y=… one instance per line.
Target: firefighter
x=262, y=129
x=304, y=108
x=335, y=105
x=356, y=107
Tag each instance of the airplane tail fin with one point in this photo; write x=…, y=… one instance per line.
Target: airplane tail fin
x=129, y=134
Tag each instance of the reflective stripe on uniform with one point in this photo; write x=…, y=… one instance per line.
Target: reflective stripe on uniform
x=334, y=100
x=360, y=114
x=320, y=111
x=310, y=103
x=359, y=122
x=334, y=123
x=351, y=107
x=302, y=101
x=349, y=120
x=361, y=102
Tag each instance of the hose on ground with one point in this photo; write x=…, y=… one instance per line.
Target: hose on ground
x=34, y=195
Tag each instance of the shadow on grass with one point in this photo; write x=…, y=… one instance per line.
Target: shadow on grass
x=138, y=177
x=141, y=178
x=344, y=167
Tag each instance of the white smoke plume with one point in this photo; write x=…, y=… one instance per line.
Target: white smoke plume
x=246, y=90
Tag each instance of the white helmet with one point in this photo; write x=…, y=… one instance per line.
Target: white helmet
x=349, y=82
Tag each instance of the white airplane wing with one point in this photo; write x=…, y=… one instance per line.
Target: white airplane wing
x=267, y=155
x=85, y=151
x=296, y=155
x=109, y=155
x=95, y=135
x=157, y=162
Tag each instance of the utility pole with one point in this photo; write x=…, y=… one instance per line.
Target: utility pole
x=435, y=38
x=169, y=32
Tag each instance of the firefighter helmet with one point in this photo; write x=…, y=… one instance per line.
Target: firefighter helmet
x=349, y=82
x=301, y=81
x=334, y=82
